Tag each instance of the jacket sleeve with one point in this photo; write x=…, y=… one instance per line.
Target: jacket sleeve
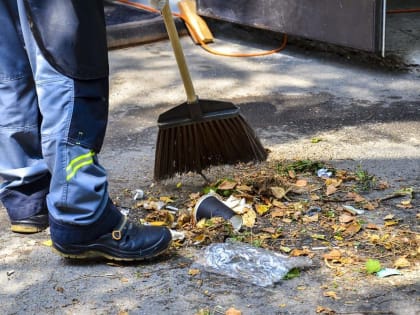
x=71, y=35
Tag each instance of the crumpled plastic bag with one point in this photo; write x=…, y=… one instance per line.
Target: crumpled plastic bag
x=248, y=263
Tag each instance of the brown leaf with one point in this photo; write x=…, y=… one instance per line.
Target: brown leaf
x=233, y=311
x=244, y=188
x=356, y=197
x=301, y=183
x=324, y=310
x=372, y=226
x=331, y=190
x=227, y=185
x=334, y=254
x=277, y=212
x=352, y=229
x=193, y=272
x=345, y=218
x=278, y=192
x=331, y=294
x=301, y=252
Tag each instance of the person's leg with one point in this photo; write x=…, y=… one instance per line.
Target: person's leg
x=25, y=174
x=83, y=220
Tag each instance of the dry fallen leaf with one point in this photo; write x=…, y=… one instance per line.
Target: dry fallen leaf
x=352, y=229
x=324, y=310
x=356, y=197
x=334, y=254
x=402, y=262
x=331, y=294
x=301, y=183
x=278, y=192
x=249, y=217
x=233, y=311
x=331, y=190
x=227, y=185
x=345, y=218
x=372, y=226
x=262, y=209
x=193, y=272
x=278, y=213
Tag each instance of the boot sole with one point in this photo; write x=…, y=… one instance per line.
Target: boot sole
x=26, y=229
x=91, y=254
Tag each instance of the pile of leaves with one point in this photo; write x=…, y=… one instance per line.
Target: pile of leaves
x=299, y=208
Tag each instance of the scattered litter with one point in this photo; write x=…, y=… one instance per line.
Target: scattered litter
x=172, y=208
x=153, y=205
x=313, y=210
x=248, y=263
x=386, y=272
x=324, y=173
x=138, y=194
x=177, y=236
x=211, y=205
x=125, y=211
x=353, y=210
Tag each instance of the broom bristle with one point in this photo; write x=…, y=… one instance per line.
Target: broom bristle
x=197, y=146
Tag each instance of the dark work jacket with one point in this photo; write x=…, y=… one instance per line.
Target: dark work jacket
x=71, y=35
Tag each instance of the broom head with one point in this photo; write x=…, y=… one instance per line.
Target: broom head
x=216, y=134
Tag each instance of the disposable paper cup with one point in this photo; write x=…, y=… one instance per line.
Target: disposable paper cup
x=209, y=206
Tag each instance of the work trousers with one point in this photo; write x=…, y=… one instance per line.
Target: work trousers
x=51, y=128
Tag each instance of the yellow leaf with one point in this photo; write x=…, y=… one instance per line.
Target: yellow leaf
x=249, y=217
x=261, y=209
x=402, y=262
x=166, y=199
x=333, y=181
x=389, y=217
x=47, y=243
x=124, y=279
x=193, y=272
x=158, y=223
x=331, y=190
x=178, y=185
x=201, y=224
x=390, y=222
x=199, y=239
x=233, y=311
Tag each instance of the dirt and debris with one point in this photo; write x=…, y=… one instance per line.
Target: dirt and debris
x=341, y=220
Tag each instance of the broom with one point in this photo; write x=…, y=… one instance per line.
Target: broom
x=200, y=133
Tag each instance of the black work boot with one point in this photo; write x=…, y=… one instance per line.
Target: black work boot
x=34, y=224
x=125, y=241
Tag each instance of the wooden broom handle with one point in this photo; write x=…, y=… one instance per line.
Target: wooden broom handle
x=179, y=54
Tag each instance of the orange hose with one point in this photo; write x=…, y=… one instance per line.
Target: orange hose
x=403, y=11
x=204, y=45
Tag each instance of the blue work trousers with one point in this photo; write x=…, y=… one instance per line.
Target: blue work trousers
x=51, y=128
